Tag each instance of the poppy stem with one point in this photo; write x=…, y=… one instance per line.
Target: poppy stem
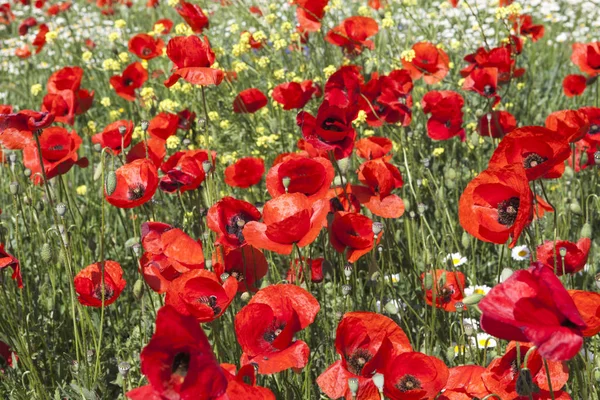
x=102, y=272
x=549, y=379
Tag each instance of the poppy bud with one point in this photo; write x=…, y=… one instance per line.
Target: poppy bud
x=505, y=274
x=586, y=231
x=26, y=200
x=473, y=299
x=575, y=208
x=14, y=188
x=124, y=368
x=138, y=289
x=27, y=172
x=339, y=181
x=208, y=264
x=110, y=183
x=378, y=380
x=391, y=308
x=122, y=129
x=421, y=208
x=406, y=204
x=525, y=385
x=246, y=297
x=428, y=281
x=348, y=270
x=61, y=209
x=12, y=157
x=46, y=253
x=353, y=385
x=584, y=159
x=97, y=147
x=224, y=276
x=465, y=240
x=450, y=353
x=206, y=166
x=377, y=228
x=597, y=157
x=451, y=173
x=61, y=256
x=286, y=182
x=144, y=125
x=343, y=164
x=468, y=329
x=346, y=289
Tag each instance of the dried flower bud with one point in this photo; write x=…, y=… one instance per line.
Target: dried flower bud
x=348, y=270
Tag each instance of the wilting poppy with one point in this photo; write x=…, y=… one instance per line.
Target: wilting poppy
x=152, y=149
x=7, y=260
x=387, y=98
x=496, y=124
x=116, y=136
x=16, y=128
x=574, y=85
x=246, y=264
x=574, y=260
x=133, y=77
x=145, y=46
x=193, y=15
x=497, y=204
x=309, y=14
x=353, y=234
x=523, y=25
x=447, y=286
x=588, y=305
x=413, y=375
x=374, y=147
x=184, y=171
x=288, y=219
x=465, y=383
x=587, y=57
x=136, y=184
x=179, y=362
x=380, y=178
x=192, y=57
x=295, y=273
x=163, y=125
x=500, y=377
x=59, y=153
x=249, y=101
x=227, y=219
x=330, y=131
x=593, y=115
x=343, y=88
x=540, y=151
x=265, y=328
x=571, y=125
x=358, y=340
x=309, y=176
x=26, y=24
x=90, y=286
x=199, y=293
x=429, y=62
x=245, y=172
x=446, y=119
x=293, y=95
x=533, y=306
x=353, y=33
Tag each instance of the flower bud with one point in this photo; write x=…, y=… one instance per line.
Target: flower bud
x=346, y=289
x=61, y=209
x=473, y=299
x=421, y=208
x=353, y=385
x=391, y=308
x=27, y=172
x=586, y=231
x=428, y=281
x=144, y=125
x=206, y=166
x=505, y=274
x=525, y=385
x=122, y=129
x=465, y=240
x=246, y=297
x=343, y=164
x=110, y=183
x=138, y=289
x=46, y=253
x=575, y=208
x=14, y=188
x=378, y=380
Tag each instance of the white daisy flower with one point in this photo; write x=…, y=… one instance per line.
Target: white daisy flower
x=477, y=289
x=456, y=258
x=520, y=253
x=484, y=340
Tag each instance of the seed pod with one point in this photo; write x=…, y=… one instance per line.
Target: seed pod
x=245, y=297
x=428, y=281
x=110, y=183
x=124, y=368
x=144, y=125
x=346, y=289
x=343, y=164
x=27, y=172
x=378, y=380
x=597, y=158
x=61, y=209
x=46, y=253
x=122, y=129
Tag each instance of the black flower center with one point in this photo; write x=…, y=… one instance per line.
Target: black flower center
x=136, y=192
x=488, y=90
x=127, y=82
x=236, y=226
x=446, y=294
x=272, y=334
x=146, y=51
x=594, y=128
x=507, y=211
x=239, y=276
x=408, y=383
x=332, y=124
x=533, y=160
x=180, y=365
x=448, y=124
x=57, y=147
x=357, y=360
x=210, y=301
x=108, y=292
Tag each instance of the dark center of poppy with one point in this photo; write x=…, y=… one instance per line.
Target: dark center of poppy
x=136, y=192
x=57, y=147
x=210, y=301
x=180, y=365
x=236, y=226
x=336, y=204
x=108, y=292
x=357, y=360
x=331, y=124
x=127, y=82
x=272, y=334
x=533, y=160
x=237, y=275
x=446, y=294
x=488, y=90
x=146, y=51
x=594, y=128
x=448, y=124
x=507, y=211
x=408, y=383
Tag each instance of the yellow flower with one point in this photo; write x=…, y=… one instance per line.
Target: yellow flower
x=173, y=142
x=294, y=37
x=263, y=62
x=124, y=57
x=105, y=101
x=114, y=115
x=387, y=22
x=91, y=126
x=183, y=29
x=120, y=23
x=147, y=93
x=144, y=64
x=520, y=85
x=260, y=130
x=279, y=74
x=86, y=56
x=158, y=28
x=233, y=28
x=113, y=36
x=224, y=124
x=213, y=115
x=137, y=132
x=51, y=36
x=408, y=55
x=173, y=3
x=81, y=190
x=368, y=132
x=168, y=105
x=329, y=70
x=364, y=11
x=175, y=87
x=239, y=66
x=438, y=151
x=279, y=44
x=361, y=117
x=187, y=88
x=111, y=65
x=36, y=89
x=270, y=18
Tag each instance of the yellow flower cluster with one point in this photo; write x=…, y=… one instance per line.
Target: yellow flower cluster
x=408, y=55
x=224, y=124
x=360, y=118
x=36, y=89
x=279, y=74
x=438, y=151
x=239, y=66
x=511, y=10
x=169, y=105
x=213, y=115
x=263, y=62
x=124, y=57
x=387, y=22
x=87, y=56
x=81, y=190
x=183, y=29
x=329, y=70
x=111, y=64
x=137, y=133
x=91, y=126
x=228, y=158
x=173, y=142
x=266, y=140
x=364, y=11
x=114, y=36
x=105, y=101
x=120, y=23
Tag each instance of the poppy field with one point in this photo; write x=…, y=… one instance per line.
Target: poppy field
x=299, y=199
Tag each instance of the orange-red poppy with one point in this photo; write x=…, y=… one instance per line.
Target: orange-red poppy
x=571, y=125
x=352, y=234
x=132, y=78
x=413, y=375
x=246, y=264
x=447, y=287
x=163, y=125
x=242, y=385
x=588, y=305
x=227, y=219
x=193, y=15
x=430, y=62
x=465, y=383
x=245, y=172
x=294, y=95
x=374, y=147
x=184, y=170
x=574, y=85
x=587, y=57
x=7, y=260
x=309, y=176
x=91, y=287
x=353, y=33
x=153, y=149
x=497, y=124
x=193, y=58
x=136, y=184
x=249, y=101
x=112, y=137
x=574, y=260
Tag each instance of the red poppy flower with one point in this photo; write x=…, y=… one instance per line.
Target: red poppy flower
x=186, y=119
x=62, y=104
x=574, y=260
x=112, y=137
x=227, y=219
x=192, y=57
x=588, y=305
x=136, y=184
x=243, y=384
x=593, y=116
x=497, y=204
x=533, y=306
x=523, y=25
x=59, y=153
x=309, y=176
x=7, y=260
x=343, y=88
x=465, y=383
x=246, y=264
x=23, y=52
x=40, y=39
x=199, y=293
x=67, y=78
x=483, y=81
x=288, y=219
x=446, y=114
x=540, y=151
x=500, y=58
x=587, y=57
x=5, y=109
x=246, y=172
x=447, y=287
x=541, y=207
x=358, y=340
x=265, y=328
x=584, y=155
x=7, y=355
x=90, y=287
x=249, y=101
x=574, y=85
x=26, y=24
x=163, y=125
x=497, y=124
x=167, y=25
x=353, y=234
x=133, y=77
x=155, y=151
x=309, y=14
x=500, y=377
x=571, y=125
x=295, y=273
x=387, y=98
x=330, y=131
x=414, y=375
x=6, y=15
x=184, y=171
x=374, y=147
x=293, y=95
x=179, y=362
x=381, y=178
x=145, y=46
x=430, y=62
x=343, y=199
x=193, y=15
x=351, y=35
x=16, y=129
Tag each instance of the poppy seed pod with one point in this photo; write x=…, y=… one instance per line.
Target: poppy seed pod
x=224, y=276
x=343, y=164
x=562, y=251
x=14, y=188
x=346, y=289
x=586, y=231
x=597, y=157
x=206, y=166
x=468, y=328
x=245, y=297
x=378, y=380
x=46, y=253
x=27, y=172
x=144, y=125
x=348, y=270
x=122, y=129
x=124, y=368
x=61, y=209
x=353, y=385
x=377, y=228
x=286, y=180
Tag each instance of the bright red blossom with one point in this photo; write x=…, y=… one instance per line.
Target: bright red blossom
x=574, y=260
x=136, y=183
x=7, y=260
x=353, y=33
x=91, y=287
x=246, y=172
